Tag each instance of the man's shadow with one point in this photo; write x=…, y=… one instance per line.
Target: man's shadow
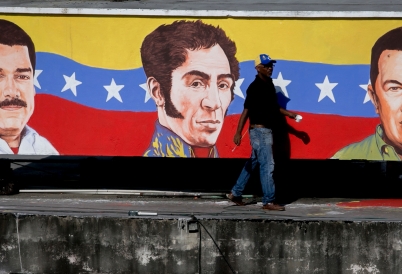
x=282, y=152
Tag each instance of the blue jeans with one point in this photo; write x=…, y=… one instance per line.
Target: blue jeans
x=261, y=143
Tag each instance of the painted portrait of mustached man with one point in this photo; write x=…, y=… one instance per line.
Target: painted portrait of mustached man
x=17, y=93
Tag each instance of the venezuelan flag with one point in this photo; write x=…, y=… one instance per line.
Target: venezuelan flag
x=91, y=98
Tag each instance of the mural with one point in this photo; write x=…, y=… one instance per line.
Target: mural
x=191, y=72
x=385, y=91
x=17, y=65
x=168, y=87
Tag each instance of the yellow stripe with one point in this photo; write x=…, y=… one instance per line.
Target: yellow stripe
x=114, y=42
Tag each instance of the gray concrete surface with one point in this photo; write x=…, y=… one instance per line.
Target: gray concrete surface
x=117, y=206
x=69, y=233
x=232, y=5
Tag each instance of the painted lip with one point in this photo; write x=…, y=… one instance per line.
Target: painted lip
x=11, y=107
x=211, y=124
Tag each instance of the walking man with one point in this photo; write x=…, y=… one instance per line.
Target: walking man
x=262, y=108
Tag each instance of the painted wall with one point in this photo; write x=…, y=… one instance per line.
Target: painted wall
x=93, y=96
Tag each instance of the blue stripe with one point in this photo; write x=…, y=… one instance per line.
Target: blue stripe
x=303, y=93
x=91, y=92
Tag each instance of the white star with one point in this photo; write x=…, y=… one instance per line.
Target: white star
x=113, y=91
x=326, y=89
x=36, y=82
x=71, y=83
x=367, y=97
x=237, y=89
x=147, y=96
x=282, y=84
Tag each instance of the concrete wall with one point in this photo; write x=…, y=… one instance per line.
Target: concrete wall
x=51, y=244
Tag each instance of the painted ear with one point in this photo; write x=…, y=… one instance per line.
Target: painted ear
x=373, y=97
x=154, y=90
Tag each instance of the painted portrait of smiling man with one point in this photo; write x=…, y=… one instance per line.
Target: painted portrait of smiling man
x=385, y=93
x=191, y=71
x=17, y=92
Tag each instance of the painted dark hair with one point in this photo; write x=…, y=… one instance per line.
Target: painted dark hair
x=13, y=35
x=165, y=49
x=391, y=40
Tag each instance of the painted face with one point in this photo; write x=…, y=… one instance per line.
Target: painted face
x=388, y=96
x=201, y=93
x=16, y=89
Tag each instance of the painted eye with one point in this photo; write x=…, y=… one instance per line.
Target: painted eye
x=223, y=86
x=394, y=89
x=197, y=84
x=22, y=77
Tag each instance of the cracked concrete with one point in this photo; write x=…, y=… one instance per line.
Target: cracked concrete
x=72, y=233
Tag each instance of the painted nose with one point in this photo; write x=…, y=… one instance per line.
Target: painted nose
x=10, y=88
x=212, y=101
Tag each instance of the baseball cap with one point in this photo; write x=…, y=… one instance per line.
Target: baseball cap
x=263, y=59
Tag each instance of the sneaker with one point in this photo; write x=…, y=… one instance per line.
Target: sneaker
x=237, y=200
x=272, y=206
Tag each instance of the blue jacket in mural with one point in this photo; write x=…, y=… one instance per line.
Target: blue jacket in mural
x=166, y=143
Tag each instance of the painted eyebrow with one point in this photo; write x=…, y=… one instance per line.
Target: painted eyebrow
x=206, y=76
x=23, y=70
x=196, y=73
x=222, y=76
x=20, y=70
x=392, y=82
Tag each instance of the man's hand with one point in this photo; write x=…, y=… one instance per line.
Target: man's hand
x=237, y=139
x=292, y=115
x=242, y=122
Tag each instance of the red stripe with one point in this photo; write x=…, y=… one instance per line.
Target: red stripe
x=327, y=134
x=75, y=129
x=78, y=130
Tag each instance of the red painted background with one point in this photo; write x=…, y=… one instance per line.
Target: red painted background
x=74, y=129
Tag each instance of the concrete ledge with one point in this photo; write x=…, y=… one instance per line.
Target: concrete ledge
x=204, y=13
x=57, y=244
x=209, y=8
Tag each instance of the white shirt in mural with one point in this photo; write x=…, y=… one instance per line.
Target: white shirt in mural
x=31, y=144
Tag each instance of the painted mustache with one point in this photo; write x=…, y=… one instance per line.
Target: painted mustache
x=13, y=102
